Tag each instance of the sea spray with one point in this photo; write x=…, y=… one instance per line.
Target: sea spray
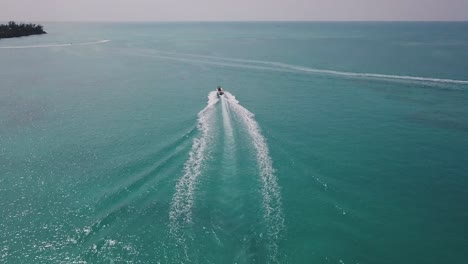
x=180, y=214
x=271, y=195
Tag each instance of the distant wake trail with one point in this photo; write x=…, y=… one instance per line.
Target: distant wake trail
x=271, y=195
x=183, y=200
x=227, y=121
x=284, y=67
x=56, y=45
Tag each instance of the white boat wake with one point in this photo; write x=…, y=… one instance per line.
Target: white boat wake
x=183, y=200
x=56, y=45
x=272, y=206
x=227, y=122
x=284, y=67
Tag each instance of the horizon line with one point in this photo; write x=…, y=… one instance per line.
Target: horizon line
x=234, y=21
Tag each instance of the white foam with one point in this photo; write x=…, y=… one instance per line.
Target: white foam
x=278, y=66
x=227, y=121
x=271, y=194
x=183, y=199
x=369, y=75
x=55, y=45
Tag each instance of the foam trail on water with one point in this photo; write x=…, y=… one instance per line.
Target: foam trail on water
x=278, y=66
x=271, y=195
x=183, y=200
x=55, y=45
x=227, y=121
x=369, y=75
x=217, y=63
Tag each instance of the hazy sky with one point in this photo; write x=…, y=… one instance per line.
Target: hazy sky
x=212, y=10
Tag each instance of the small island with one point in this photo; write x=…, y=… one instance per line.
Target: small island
x=13, y=30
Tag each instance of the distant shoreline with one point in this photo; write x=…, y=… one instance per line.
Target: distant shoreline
x=258, y=21
x=14, y=30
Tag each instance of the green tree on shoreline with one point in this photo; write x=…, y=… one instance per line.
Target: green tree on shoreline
x=13, y=29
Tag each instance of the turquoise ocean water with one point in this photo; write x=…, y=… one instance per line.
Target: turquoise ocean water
x=336, y=143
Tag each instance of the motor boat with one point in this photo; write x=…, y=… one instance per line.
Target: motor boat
x=220, y=91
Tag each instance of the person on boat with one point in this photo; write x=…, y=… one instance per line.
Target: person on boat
x=220, y=90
